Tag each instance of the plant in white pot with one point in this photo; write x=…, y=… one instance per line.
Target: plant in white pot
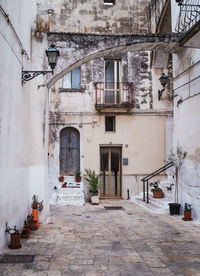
x=93, y=184
x=176, y=158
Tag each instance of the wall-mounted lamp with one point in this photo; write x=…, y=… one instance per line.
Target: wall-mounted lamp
x=52, y=55
x=187, y=3
x=163, y=80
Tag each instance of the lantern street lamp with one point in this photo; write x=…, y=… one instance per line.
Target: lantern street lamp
x=187, y=3
x=52, y=55
x=163, y=80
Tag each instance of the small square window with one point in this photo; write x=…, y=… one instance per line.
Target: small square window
x=110, y=123
x=72, y=79
x=109, y=2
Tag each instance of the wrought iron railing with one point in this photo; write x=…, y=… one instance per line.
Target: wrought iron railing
x=114, y=94
x=146, y=179
x=189, y=15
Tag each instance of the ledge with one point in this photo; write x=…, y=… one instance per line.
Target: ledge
x=81, y=90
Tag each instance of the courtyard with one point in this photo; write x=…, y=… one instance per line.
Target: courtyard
x=91, y=241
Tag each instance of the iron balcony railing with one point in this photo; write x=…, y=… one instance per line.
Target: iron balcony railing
x=114, y=94
x=189, y=16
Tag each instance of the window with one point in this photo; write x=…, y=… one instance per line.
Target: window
x=112, y=81
x=72, y=79
x=110, y=123
x=109, y=2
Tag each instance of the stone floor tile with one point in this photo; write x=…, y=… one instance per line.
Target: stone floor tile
x=90, y=240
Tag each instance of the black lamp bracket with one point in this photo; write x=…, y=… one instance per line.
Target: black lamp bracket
x=29, y=75
x=160, y=93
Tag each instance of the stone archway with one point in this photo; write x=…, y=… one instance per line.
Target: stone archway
x=76, y=49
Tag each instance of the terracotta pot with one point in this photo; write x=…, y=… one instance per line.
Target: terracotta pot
x=24, y=234
x=35, y=216
x=28, y=229
x=15, y=241
x=34, y=205
x=61, y=179
x=64, y=185
x=157, y=194
x=78, y=178
x=187, y=216
x=33, y=225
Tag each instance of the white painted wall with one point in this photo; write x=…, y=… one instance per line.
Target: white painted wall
x=23, y=119
x=186, y=66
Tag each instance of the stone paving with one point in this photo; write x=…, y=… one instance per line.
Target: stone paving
x=92, y=241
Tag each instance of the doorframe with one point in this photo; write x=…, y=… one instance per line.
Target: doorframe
x=120, y=146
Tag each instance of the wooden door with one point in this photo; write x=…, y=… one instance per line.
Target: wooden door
x=69, y=151
x=110, y=160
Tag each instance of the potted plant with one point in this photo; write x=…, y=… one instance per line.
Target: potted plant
x=64, y=185
x=36, y=206
x=26, y=231
x=61, y=178
x=14, y=237
x=177, y=159
x=32, y=222
x=94, y=185
x=78, y=176
x=157, y=191
x=187, y=212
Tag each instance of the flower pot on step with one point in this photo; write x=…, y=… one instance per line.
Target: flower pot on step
x=35, y=216
x=157, y=194
x=15, y=241
x=78, y=178
x=33, y=225
x=174, y=208
x=187, y=216
x=95, y=200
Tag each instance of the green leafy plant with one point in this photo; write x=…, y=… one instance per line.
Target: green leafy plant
x=93, y=181
x=77, y=173
x=36, y=204
x=155, y=186
x=169, y=188
x=187, y=207
x=177, y=158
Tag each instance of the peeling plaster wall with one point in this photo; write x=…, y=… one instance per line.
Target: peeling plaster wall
x=186, y=64
x=93, y=16
x=144, y=128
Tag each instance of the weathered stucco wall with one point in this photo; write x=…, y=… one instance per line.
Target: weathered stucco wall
x=94, y=17
x=142, y=133
x=23, y=135
x=186, y=64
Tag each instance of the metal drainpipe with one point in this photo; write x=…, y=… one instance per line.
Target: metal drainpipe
x=143, y=190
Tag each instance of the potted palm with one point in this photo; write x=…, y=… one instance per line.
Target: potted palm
x=94, y=185
x=187, y=212
x=176, y=158
x=78, y=176
x=157, y=191
x=14, y=237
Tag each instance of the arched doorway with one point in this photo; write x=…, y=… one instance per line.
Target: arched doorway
x=69, y=151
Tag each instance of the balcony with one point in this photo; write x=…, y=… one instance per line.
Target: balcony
x=114, y=96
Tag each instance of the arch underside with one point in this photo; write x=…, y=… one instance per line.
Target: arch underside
x=77, y=49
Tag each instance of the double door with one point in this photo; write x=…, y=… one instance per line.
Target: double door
x=110, y=160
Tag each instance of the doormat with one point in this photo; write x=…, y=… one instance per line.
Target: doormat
x=16, y=259
x=113, y=208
